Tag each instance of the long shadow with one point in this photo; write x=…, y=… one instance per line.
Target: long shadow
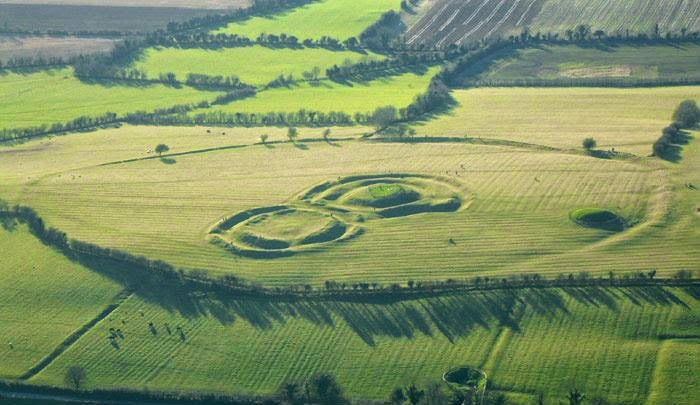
x=452, y=315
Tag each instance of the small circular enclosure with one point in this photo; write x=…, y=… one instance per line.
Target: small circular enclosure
x=389, y=195
x=599, y=218
x=280, y=231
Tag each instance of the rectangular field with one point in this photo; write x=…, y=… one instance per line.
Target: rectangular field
x=47, y=97
x=567, y=64
x=339, y=19
x=197, y=4
x=65, y=47
x=269, y=63
x=74, y=18
x=628, y=120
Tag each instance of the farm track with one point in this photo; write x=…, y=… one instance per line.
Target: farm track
x=75, y=336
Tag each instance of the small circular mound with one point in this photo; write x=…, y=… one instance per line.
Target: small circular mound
x=388, y=196
x=466, y=379
x=382, y=195
x=279, y=231
x=599, y=218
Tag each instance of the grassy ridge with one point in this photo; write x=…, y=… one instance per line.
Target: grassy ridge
x=49, y=298
x=676, y=362
x=269, y=62
x=251, y=346
x=628, y=120
x=28, y=100
x=553, y=62
x=338, y=19
x=328, y=96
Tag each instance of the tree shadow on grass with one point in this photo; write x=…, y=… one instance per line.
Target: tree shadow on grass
x=168, y=161
x=451, y=316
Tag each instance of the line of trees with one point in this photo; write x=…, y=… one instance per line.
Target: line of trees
x=686, y=116
x=77, y=124
x=25, y=62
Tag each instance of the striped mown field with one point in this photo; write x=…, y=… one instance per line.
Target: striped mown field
x=45, y=297
x=609, y=342
x=629, y=120
x=519, y=199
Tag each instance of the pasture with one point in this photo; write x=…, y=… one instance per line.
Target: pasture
x=54, y=96
x=572, y=63
x=328, y=96
x=339, y=19
x=556, y=338
x=269, y=63
x=461, y=22
x=629, y=120
x=51, y=297
x=24, y=47
x=517, y=216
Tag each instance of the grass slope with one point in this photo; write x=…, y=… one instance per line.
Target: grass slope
x=551, y=62
x=340, y=19
x=44, y=299
x=269, y=62
x=328, y=96
x=46, y=97
x=593, y=336
x=676, y=365
x=629, y=120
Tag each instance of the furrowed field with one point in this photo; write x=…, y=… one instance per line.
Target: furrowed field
x=54, y=96
x=270, y=62
x=332, y=18
x=455, y=21
x=20, y=46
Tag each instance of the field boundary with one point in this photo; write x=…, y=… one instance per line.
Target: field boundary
x=76, y=335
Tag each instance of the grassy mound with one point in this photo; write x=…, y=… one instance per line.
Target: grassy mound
x=599, y=218
x=383, y=195
x=387, y=196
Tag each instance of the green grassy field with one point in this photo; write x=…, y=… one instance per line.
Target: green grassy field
x=518, y=215
x=626, y=63
x=45, y=297
x=628, y=120
x=253, y=346
x=269, y=62
x=328, y=96
x=338, y=19
x=47, y=97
